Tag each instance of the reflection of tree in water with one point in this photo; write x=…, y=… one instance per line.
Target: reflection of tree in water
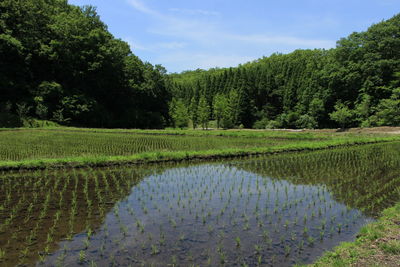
x=38, y=209
x=366, y=177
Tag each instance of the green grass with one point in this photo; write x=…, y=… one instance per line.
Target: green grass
x=40, y=148
x=55, y=144
x=378, y=244
x=187, y=132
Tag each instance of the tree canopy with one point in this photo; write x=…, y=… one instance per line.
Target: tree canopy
x=59, y=62
x=62, y=64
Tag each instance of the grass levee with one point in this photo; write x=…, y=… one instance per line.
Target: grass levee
x=378, y=244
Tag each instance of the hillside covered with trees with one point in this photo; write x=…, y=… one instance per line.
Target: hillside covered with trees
x=60, y=63
x=355, y=84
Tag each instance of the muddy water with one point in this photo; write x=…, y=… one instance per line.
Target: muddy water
x=277, y=210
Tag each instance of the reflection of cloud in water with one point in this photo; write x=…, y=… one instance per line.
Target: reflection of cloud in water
x=292, y=207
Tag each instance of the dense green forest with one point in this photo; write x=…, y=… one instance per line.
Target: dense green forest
x=355, y=84
x=60, y=63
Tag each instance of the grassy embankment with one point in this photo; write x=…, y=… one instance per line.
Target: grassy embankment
x=42, y=148
x=377, y=244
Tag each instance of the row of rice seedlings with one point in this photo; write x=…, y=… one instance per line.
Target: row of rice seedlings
x=343, y=170
x=29, y=144
x=48, y=206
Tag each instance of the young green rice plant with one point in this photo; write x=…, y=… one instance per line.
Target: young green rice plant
x=210, y=229
x=124, y=230
x=162, y=240
x=61, y=258
x=305, y=218
x=301, y=245
x=89, y=232
x=321, y=235
x=174, y=224
x=339, y=228
x=24, y=253
x=323, y=224
x=181, y=237
x=154, y=250
x=86, y=243
x=286, y=224
x=259, y=260
x=47, y=249
x=222, y=257
x=238, y=242
x=293, y=236
x=310, y=240
x=305, y=230
x=49, y=238
x=82, y=256
x=287, y=250
x=2, y=254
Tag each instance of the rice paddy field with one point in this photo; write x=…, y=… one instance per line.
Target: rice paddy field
x=29, y=144
x=265, y=210
x=42, y=148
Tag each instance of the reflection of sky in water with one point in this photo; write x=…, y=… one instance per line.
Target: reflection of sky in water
x=280, y=209
x=196, y=215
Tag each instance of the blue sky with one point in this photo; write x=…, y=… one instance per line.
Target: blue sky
x=191, y=34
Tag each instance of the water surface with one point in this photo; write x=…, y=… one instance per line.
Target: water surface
x=275, y=210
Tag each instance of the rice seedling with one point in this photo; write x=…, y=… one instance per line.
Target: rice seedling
x=82, y=256
x=198, y=205
x=237, y=240
x=258, y=249
x=222, y=257
x=287, y=250
x=154, y=250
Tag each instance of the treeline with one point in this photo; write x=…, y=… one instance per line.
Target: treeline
x=355, y=84
x=59, y=62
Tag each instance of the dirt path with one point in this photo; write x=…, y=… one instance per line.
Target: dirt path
x=374, y=130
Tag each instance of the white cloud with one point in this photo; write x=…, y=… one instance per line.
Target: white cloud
x=207, y=35
x=174, y=26
x=206, y=31
x=203, y=60
x=171, y=45
x=283, y=40
x=135, y=45
x=195, y=11
x=140, y=6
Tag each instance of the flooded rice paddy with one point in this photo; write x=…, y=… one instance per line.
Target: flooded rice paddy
x=259, y=211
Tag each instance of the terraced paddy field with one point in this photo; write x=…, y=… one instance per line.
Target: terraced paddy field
x=60, y=147
x=264, y=210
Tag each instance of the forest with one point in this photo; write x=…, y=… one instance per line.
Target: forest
x=60, y=63
x=357, y=84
